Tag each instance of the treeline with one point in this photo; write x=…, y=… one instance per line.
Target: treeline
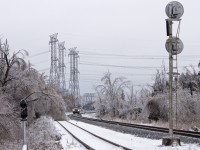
x=18, y=81
x=116, y=98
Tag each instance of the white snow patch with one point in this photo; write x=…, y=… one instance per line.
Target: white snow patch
x=131, y=141
x=67, y=141
x=89, y=115
x=91, y=140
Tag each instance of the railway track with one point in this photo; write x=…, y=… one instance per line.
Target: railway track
x=144, y=127
x=88, y=146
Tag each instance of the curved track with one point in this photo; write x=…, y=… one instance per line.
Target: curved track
x=87, y=145
x=145, y=127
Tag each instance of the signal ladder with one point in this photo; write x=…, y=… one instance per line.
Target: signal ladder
x=175, y=76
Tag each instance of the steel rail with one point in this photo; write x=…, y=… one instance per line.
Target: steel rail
x=83, y=143
x=145, y=127
x=108, y=141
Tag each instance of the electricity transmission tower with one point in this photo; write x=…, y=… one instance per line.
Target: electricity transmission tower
x=88, y=98
x=74, y=80
x=61, y=66
x=54, y=77
x=4, y=50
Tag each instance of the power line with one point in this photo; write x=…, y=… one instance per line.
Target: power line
x=43, y=69
x=138, y=58
x=122, y=66
x=134, y=56
x=41, y=62
x=126, y=74
x=38, y=54
x=119, y=66
x=142, y=84
x=120, y=55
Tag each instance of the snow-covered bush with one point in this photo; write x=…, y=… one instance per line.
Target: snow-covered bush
x=156, y=108
x=10, y=144
x=188, y=106
x=9, y=122
x=42, y=135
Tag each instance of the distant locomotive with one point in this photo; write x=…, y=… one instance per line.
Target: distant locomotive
x=76, y=111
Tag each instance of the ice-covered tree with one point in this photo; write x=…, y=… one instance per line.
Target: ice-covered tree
x=110, y=94
x=18, y=80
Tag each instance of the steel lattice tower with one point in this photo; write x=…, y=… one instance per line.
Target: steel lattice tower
x=54, y=77
x=74, y=80
x=61, y=66
x=4, y=50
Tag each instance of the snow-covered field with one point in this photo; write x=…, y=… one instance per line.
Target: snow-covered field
x=130, y=141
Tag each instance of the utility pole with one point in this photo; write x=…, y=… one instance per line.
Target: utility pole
x=61, y=66
x=54, y=79
x=174, y=46
x=74, y=79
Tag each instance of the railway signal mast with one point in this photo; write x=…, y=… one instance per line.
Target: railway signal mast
x=174, y=46
x=74, y=79
x=24, y=114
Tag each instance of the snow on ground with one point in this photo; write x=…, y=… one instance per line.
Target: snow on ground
x=131, y=141
x=89, y=115
x=68, y=113
x=67, y=141
x=91, y=140
x=127, y=140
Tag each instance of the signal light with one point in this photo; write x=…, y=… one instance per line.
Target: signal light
x=169, y=27
x=24, y=112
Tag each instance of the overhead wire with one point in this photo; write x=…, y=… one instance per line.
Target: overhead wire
x=37, y=54
x=119, y=66
x=151, y=57
x=120, y=55
x=132, y=56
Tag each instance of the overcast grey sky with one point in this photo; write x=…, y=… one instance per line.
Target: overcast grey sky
x=132, y=29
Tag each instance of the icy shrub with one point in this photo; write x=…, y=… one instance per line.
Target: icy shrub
x=57, y=110
x=156, y=108
x=9, y=123
x=10, y=145
x=42, y=135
